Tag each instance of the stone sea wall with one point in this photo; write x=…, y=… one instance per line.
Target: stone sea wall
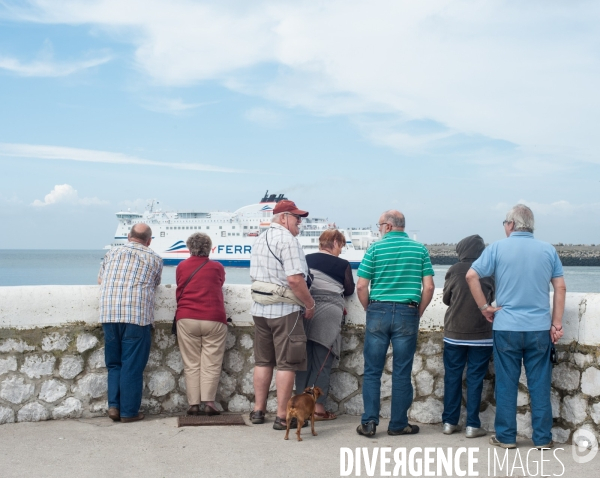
x=52, y=362
x=570, y=255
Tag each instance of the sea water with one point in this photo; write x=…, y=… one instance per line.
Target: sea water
x=80, y=267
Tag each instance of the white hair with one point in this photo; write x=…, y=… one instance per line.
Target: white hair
x=277, y=218
x=522, y=217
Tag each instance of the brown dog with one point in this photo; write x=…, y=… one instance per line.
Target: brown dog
x=302, y=407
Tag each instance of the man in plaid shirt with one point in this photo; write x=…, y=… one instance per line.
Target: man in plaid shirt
x=279, y=338
x=128, y=279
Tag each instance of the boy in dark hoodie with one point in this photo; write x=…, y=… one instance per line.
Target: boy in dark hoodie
x=467, y=340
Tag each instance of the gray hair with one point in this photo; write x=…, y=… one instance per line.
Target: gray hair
x=277, y=218
x=199, y=244
x=522, y=217
x=395, y=218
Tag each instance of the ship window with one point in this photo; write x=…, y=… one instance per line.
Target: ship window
x=220, y=227
x=232, y=227
x=223, y=233
x=245, y=227
x=162, y=233
x=207, y=227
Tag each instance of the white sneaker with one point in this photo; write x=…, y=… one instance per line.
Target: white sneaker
x=472, y=432
x=448, y=429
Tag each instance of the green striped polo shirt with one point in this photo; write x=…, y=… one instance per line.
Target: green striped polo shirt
x=396, y=265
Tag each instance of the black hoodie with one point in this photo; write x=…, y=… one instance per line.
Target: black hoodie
x=463, y=319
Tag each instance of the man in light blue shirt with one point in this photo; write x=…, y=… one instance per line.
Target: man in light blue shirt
x=524, y=325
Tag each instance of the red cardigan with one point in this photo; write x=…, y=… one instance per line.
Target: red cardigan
x=202, y=298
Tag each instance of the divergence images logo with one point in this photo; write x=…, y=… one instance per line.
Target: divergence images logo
x=585, y=446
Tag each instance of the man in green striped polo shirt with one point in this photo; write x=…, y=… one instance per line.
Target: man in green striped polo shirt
x=400, y=276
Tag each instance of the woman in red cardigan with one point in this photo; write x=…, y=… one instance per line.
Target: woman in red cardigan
x=201, y=323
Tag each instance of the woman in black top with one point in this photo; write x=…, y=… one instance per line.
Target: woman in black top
x=332, y=282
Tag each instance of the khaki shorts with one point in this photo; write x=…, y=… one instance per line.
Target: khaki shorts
x=280, y=342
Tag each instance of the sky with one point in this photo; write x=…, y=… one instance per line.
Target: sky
x=451, y=111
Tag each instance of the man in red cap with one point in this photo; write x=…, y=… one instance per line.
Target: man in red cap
x=279, y=271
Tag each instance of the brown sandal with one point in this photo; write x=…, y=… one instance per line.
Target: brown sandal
x=319, y=417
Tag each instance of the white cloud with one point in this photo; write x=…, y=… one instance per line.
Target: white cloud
x=93, y=156
x=66, y=194
x=48, y=68
x=522, y=72
x=265, y=117
x=174, y=106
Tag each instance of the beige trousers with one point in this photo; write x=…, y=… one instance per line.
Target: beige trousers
x=202, y=345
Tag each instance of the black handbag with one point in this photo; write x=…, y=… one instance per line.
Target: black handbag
x=174, y=325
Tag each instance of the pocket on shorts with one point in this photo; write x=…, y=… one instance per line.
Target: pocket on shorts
x=296, y=349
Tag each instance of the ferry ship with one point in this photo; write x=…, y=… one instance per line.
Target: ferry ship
x=232, y=233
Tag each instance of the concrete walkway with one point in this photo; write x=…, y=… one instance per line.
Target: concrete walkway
x=155, y=447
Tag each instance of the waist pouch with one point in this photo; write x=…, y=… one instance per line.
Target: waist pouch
x=265, y=293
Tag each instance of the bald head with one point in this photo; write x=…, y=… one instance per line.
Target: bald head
x=140, y=233
x=394, y=218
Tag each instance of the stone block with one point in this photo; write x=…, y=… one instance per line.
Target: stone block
x=227, y=385
x=487, y=393
x=272, y=405
x=565, y=377
x=350, y=343
x=596, y=413
x=175, y=361
x=560, y=435
x=582, y=360
x=155, y=358
x=435, y=365
x=99, y=407
x=424, y=382
x=34, y=366
x=151, y=406
x=239, y=404
x=251, y=358
x=331, y=405
x=389, y=364
x=86, y=342
x=590, y=382
x=386, y=385
x=246, y=341
x=524, y=427
x=52, y=390
x=427, y=411
x=247, y=383
x=8, y=365
x=160, y=383
x=574, y=409
x=438, y=390
x=354, y=406
x=33, y=412
x=523, y=377
x=487, y=418
x=182, y=385
x=55, y=341
x=430, y=348
x=342, y=384
x=522, y=398
x=96, y=359
x=234, y=361
x=385, y=410
x=12, y=345
x=229, y=341
x=6, y=415
x=555, y=402
x=70, y=367
x=92, y=385
x=164, y=339
x=416, y=366
x=70, y=408
x=354, y=362
x=15, y=390
x=176, y=403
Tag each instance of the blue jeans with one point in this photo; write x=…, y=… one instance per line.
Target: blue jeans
x=533, y=348
x=126, y=352
x=398, y=324
x=455, y=358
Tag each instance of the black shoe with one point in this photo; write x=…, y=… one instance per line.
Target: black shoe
x=294, y=423
x=257, y=417
x=408, y=430
x=280, y=424
x=367, y=429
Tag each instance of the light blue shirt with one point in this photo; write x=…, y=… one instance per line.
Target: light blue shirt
x=522, y=267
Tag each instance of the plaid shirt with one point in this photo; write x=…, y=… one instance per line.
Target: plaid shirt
x=265, y=267
x=129, y=277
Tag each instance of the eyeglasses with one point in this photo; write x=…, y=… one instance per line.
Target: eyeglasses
x=379, y=224
x=298, y=218
x=504, y=223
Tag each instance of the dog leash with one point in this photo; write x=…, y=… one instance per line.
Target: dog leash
x=322, y=366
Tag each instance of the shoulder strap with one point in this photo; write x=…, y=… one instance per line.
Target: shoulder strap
x=267, y=241
x=190, y=278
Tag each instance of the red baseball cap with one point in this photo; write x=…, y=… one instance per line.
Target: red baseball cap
x=289, y=206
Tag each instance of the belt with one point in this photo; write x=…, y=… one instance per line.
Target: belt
x=412, y=303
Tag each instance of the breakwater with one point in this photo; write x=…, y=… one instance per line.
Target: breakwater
x=52, y=362
x=570, y=255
